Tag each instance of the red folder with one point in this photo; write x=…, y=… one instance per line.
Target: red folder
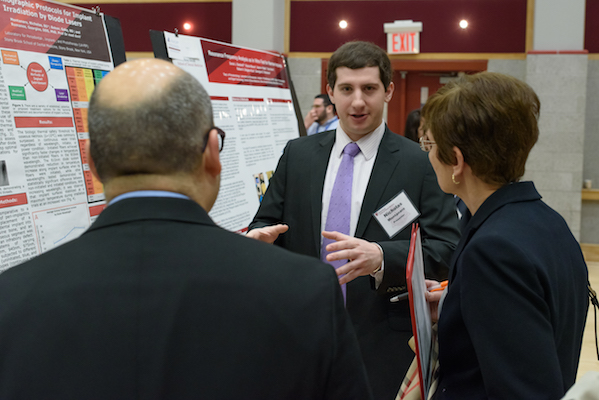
x=419, y=312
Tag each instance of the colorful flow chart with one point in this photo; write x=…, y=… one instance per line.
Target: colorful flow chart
x=37, y=76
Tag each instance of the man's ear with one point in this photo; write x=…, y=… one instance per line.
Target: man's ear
x=330, y=93
x=211, y=157
x=90, y=160
x=389, y=92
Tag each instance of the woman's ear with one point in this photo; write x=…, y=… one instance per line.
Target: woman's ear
x=458, y=167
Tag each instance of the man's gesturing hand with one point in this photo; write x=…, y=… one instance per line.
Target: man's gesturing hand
x=268, y=234
x=364, y=257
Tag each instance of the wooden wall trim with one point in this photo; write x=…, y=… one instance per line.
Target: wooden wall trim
x=428, y=56
x=131, y=55
x=590, y=251
x=287, y=27
x=530, y=25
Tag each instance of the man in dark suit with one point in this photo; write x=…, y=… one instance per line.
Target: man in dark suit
x=155, y=301
x=296, y=206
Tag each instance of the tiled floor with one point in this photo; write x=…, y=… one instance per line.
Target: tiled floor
x=588, y=358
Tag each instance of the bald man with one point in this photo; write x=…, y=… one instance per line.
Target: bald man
x=155, y=301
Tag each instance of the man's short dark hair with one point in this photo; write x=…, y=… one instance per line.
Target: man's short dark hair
x=355, y=55
x=326, y=100
x=162, y=134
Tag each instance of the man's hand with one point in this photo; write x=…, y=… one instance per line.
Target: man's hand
x=365, y=257
x=268, y=234
x=432, y=299
x=310, y=118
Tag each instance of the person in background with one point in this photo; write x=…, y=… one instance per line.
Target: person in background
x=303, y=193
x=321, y=117
x=412, y=125
x=155, y=301
x=512, y=319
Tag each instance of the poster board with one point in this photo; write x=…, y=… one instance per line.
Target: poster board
x=252, y=101
x=51, y=57
x=419, y=311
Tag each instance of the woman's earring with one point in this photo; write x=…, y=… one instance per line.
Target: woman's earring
x=453, y=180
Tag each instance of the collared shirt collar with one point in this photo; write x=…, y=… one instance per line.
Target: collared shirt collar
x=148, y=193
x=328, y=121
x=368, y=144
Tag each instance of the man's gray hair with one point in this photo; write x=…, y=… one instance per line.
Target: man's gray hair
x=162, y=134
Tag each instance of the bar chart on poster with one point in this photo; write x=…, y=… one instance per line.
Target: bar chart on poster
x=52, y=56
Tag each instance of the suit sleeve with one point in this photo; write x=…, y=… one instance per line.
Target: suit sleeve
x=439, y=233
x=347, y=375
x=508, y=321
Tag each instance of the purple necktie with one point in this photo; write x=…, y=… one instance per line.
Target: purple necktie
x=339, y=213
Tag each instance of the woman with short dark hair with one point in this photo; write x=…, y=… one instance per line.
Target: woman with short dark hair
x=512, y=318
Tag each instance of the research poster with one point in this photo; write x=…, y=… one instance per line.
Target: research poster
x=252, y=103
x=52, y=56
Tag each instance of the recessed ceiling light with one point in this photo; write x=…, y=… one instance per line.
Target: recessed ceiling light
x=463, y=24
x=343, y=24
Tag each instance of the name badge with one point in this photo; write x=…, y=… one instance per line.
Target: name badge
x=398, y=213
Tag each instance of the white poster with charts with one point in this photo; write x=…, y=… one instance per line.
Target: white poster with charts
x=51, y=57
x=252, y=103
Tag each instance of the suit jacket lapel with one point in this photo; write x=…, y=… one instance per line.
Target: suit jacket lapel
x=387, y=158
x=318, y=170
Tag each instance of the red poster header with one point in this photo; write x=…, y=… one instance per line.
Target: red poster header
x=254, y=99
x=13, y=200
x=44, y=27
x=39, y=122
x=238, y=66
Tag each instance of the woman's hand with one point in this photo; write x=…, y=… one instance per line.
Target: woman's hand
x=433, y=299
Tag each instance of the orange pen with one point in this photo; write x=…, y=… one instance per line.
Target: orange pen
x=440, y=286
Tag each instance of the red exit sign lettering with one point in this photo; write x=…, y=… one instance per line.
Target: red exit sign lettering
x=404, y=42
x=403, y=37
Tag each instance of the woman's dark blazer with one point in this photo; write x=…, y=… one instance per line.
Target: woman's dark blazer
x=511, y=324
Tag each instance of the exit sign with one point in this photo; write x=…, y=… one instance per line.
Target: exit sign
x=403, y=37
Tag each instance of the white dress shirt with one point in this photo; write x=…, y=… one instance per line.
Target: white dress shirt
x=363, y=164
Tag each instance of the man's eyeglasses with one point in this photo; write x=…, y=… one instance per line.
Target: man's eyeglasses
x=221, y=138
x=425, y=144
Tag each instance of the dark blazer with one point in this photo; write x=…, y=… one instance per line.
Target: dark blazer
x=154, y=301
x=294, y=197
x=511, y=324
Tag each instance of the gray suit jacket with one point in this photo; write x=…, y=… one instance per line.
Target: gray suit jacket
x=294, y=197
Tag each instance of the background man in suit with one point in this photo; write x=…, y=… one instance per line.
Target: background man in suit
x=154, y=300
x=300, y=192
x=321, y=117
